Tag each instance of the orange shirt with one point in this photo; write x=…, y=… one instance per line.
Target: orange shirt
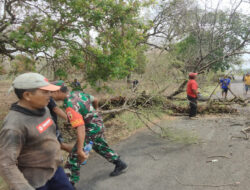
x=192, y=85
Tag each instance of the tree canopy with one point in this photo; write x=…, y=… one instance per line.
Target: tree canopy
x=201, y=38
x=100, y=38
x=108, y=39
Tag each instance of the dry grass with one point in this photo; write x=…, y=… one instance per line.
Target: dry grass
x=127, y=124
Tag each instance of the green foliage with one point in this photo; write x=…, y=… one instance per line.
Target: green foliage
x=206, y=39
x=22, y=64
x=186, y=46
x=61, y=73
x=180, y=136
x=114, y=56
x=132, y=122
x=100, y=38
x=76, y=60
x=189, y=51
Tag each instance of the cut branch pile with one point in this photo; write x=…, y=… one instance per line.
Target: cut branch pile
x=109, y=108
x=120, y=103
x=235, y=100
x=143, y=100
x=203, y=109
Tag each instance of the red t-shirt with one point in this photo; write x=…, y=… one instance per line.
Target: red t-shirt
x=192, y=85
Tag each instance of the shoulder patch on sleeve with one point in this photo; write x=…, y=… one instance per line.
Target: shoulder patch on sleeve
x=75, y=118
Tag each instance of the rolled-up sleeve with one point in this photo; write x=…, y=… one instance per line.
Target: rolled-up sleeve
x=11, y=142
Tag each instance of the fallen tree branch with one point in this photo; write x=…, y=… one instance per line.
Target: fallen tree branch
x=246, y=129
x=245, y=133
x=207, y=185
x=148, y=119
x=213, y=92
x=103, y=112
x=146, y=124
x=218, y=157
x=179, y=90
x=232, y=93
x=236, y=137
x=152, y=156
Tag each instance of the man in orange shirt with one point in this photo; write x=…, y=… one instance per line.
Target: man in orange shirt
x=192, y=92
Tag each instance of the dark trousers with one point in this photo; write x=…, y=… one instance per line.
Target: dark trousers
x=58, y=182
x=192, y=106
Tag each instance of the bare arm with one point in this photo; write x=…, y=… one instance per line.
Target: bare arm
x=60, y=113
x=77, y=122
x=80, y=141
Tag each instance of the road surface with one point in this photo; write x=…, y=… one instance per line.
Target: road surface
x=156, y=163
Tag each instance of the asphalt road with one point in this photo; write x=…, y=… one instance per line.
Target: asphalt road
x=159, y=164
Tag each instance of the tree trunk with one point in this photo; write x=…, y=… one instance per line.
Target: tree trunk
x=129, y=78
x=179, y=90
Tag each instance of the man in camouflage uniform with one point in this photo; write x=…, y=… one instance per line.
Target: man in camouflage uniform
x=87, y=105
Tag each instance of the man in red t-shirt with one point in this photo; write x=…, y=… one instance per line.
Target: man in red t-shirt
x=192, y=92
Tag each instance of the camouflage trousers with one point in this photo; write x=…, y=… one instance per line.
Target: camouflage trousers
x=72, y=166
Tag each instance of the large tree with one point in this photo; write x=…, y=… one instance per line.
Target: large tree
x=100, y=38
x=202, y=38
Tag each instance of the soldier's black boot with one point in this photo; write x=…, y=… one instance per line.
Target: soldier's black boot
x=120, y=167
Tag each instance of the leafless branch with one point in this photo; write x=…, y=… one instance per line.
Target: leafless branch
x=207, y=185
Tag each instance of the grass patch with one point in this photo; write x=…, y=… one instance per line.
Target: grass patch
x=182, y=103
x=179, y=135
x=206, y=91
x=132, y=122
x=127, y=123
